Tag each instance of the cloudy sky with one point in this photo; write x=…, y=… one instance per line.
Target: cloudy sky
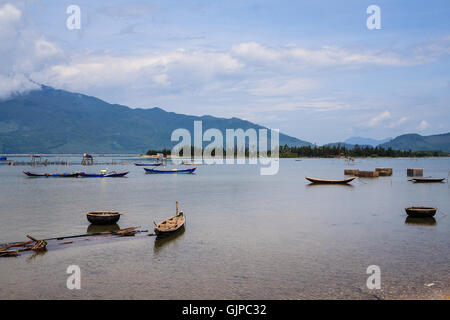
x=310, y=68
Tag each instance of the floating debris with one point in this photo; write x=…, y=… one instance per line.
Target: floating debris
x=368, y=174
x=384, y=172
x=42, y=245
x=414, y=172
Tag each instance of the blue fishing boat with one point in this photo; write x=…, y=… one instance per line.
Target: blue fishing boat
x=147, y=164
x=103, y=174
x=190, y=170
x=52, y=175
x=4, y=160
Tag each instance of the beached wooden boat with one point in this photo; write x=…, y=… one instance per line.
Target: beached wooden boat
x=111, y=174
x=103, y=217
x=328, y=181
x=190, y=170
x=427, y=180
x=171, y=225
x=147, y=164
x=421, y=212
x=52, y=175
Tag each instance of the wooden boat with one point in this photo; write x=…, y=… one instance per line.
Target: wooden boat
x=52, y=175
x=327, y=181
x=147, y=164
x=190, y=170
x=103, y=217
x=425, y=180
x=112, y=174
x=171, y=225
x=420, y=212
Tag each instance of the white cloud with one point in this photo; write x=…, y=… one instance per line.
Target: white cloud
x=324, y=56
x=171, y=70
x=15, y=84
x=280, y=86
x=378, y=119
x=423, y=125
x=22, y=51
x=397, y=123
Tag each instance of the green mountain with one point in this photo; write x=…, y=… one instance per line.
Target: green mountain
x=416, y=142
x=58, y=121
x=361, y=141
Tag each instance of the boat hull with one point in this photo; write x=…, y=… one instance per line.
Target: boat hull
x=147, y=164
x=103, y=218
x=191, y=170
x=108, y=175
x=326, y=181
x=51, y=175
x=427, y=180
x=421, y=212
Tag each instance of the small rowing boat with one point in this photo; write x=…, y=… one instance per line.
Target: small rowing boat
x=328, y=181
x=190, y=170
x=421, y=212
x=52, y=175
x=171, y=225
x=103, y=174
x=103, y=217
x=425, y=180
x=147, y=164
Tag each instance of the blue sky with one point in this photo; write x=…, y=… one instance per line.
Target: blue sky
x=310, y=68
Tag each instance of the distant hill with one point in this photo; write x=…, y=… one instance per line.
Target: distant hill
x=416, y=142
x=58, y=121
x=366, y=141
x=343, y=144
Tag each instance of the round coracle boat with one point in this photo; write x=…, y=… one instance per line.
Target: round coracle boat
x=421, y=212
x=103, y=217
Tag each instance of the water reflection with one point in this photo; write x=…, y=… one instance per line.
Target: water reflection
x=102, y=228
x=430, y=221
x=160, y=242
x=36, y=254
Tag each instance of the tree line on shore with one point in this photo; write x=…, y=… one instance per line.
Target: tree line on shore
x=326, y=151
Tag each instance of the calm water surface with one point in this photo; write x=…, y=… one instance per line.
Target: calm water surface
x=247, y=236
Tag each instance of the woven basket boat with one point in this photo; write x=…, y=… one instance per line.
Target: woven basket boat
x=103, y=217
x=420, y=212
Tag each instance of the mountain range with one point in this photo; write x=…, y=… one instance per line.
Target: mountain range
x=416, y=142
x=366, y=141
x=57, y=121
x=405, y=142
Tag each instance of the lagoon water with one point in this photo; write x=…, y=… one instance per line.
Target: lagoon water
x=247, y=236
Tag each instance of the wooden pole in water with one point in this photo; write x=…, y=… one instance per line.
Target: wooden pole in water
x=177, y=207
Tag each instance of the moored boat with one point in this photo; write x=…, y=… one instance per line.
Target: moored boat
x=103, y=174
x=427, y=180
x=190, y=170
x=171, y=225
x=421, y=212
x=103, y=217
x=52, y=175
x=147, y=164
x=328, y=181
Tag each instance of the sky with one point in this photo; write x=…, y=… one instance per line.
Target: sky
x=312, y=69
